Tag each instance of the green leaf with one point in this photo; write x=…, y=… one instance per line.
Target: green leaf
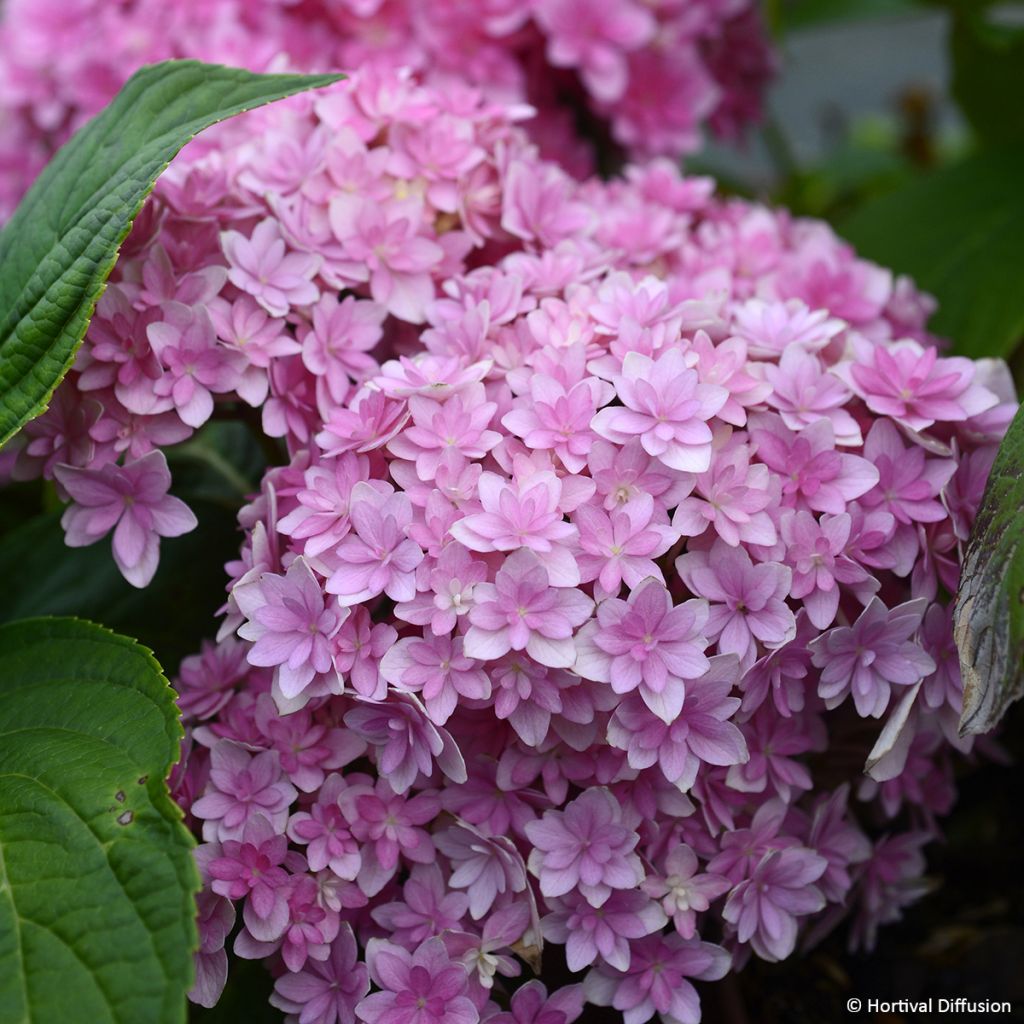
x=58, y=249
x=988, y=621
x=959, y=232
x=794, y=15
x=97, y=879
x=988, y=75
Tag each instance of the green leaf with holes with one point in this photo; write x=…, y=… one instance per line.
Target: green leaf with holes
x=58, y=249
x=97, y=880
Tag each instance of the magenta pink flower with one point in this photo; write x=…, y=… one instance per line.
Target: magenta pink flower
x=261, y=266
x=913, y=386
x=437, y=668
x=700, y=733
x=448, y=592
x=242, y=786
x=815, y=551
x=386, y=248
x=683, y=890
x=194, y=364
x=620, y=547
x=804, y=392
x=645, y=643
x=586, y=847
x=764, y=907
x=666, y=406
x=131, y=500
x=746, y=601
x=531, y=1004
x=325, y=991
x=813, y=474
x=427, y=908
x=446, y=432
x=521, y=611
x=656, y=981
x=377, y=556
x=358, y=648
x=487, y=867
x=525, y=513
x=732, y=496
x=292, y=625
x=406, y=742
x=251, y=867
x=421, y=987
x=588, y=932
x=558, y=418
x=324, y=832
x=337, y=343
x=867, y=659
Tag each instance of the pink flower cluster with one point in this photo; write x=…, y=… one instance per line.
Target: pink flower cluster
x=611, y=510
x=651, y=74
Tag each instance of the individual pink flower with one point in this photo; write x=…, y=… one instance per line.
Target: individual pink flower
x=446, y=594
x=774, y=746
x=586, y=847
x=645, y=643
x=624, y=472
x=194, y=364
x=242, y=785
x=521, y=611
x=325, y=991
x=324, y=832
x=449, y=431
x=385, y=248
x=588, y=932
x=261, y=266
x=699, y=734
x=836, y=836
x=419, y=987
x=732, y=496
x=764, y=907
x=427, y=908
x=406, y=742
x=912, y=385
x=620, y=547
x=867, y=659
x=804, y=392
x=436, y=668
x=251, y=867
x=683, y=890
x=531, y=1004
x=815, y=551
x=487, y=867
x=131, y=500
x=525, y=513
x=665, y=405
x=557, y=417
x=377, y=556
x=337, y=343
x=580, y=37
x=291, y=624
x=771, y=328
x=657, y=979
x=814, y=474
x=909, y=483
x=746, y=601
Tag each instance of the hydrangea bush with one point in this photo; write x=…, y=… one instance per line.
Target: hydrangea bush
x=650, y=74
x=618, y=529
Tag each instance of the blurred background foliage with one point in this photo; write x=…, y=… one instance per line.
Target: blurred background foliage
x=901, y=122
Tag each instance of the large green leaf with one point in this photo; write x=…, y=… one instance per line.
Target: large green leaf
x=989, y=616
x=58, y=249
x=988, y=74
x=794, y=15
x=959, y=232
x=97, y=879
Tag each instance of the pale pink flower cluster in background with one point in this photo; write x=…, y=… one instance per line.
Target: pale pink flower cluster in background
x=651, y=76
x=607, y=511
